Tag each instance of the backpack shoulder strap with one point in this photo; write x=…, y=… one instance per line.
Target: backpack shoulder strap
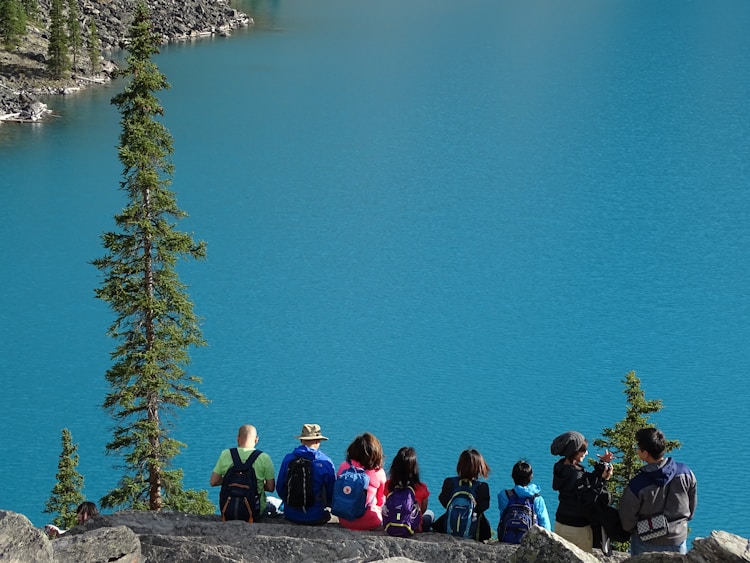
x=253, y=457
x=236, y=461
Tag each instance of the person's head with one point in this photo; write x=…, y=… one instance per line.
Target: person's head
x=247, y=436
x=522, y=473
x=85, y=511
x=571, y=445
x=471, y=465
x=579, y=454
x=366, y=450
x=652, y=442
x=404, y=468
x=311, y=436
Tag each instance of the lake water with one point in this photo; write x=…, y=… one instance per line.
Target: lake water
x=451, y=224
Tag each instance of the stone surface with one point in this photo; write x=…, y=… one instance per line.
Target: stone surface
x=115, y=545
x=148, y=537
x=20, y=541
x=540, y=546
x=720, y=546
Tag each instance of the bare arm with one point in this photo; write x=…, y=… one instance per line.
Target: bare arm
x=216, y=479
x=269, y=485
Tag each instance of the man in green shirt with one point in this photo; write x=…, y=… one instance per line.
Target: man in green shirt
x=247, y=438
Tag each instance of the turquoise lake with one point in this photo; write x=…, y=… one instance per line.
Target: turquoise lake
x=451, y=224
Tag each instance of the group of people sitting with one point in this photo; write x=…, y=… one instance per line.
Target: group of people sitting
x=653, y=511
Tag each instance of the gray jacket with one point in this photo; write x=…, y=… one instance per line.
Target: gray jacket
x=665, y=487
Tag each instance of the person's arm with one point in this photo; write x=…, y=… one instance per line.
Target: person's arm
x=542, y=516
x=483, y=496
x=267, y=473
x=693, y=495
x=328, y=481
x=424, y=495
x=380, y=493
x=281, y=488
x=629, y=506
x=502, y=501
x=216, y=479
x=446, y=493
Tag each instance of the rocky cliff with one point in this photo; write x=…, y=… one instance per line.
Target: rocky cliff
x=23, y=72
x=147, y=537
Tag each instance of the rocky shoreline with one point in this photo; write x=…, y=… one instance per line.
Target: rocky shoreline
x=169, y=537
x=23, y=72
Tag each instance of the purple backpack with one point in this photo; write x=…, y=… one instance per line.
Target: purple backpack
x=401, y=514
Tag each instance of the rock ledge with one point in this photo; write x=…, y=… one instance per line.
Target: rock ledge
x=144, y=537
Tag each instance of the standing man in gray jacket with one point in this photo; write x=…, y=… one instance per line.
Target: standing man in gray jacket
x=660, y=500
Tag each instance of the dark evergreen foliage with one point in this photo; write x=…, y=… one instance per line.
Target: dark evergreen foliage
x=58, y=61
x=155, y=323
x=12, y=22
x=67, y=493
x=74, y=30
x=94, y=49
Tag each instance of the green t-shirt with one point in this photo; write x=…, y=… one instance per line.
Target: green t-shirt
x=262, y=465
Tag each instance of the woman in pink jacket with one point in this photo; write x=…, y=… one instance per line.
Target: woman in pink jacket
x=365, y=452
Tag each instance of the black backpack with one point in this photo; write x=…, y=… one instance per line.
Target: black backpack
x=299, y=483
x=239, y=498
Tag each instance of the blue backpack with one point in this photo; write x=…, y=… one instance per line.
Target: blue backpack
x=517, y=518
x=401, y=514
x=350, y=493
x=461, y=518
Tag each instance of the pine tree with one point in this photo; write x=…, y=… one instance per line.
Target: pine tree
x=67, y=493
x=94, y=49
x=155, y=323
x=12, y=22
x=620, y=439
x=57, y=50
x=74, y=30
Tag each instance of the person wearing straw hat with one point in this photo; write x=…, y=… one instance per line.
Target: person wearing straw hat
x=306, y=478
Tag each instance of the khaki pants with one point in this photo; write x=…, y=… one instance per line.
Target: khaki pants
x=582, y=536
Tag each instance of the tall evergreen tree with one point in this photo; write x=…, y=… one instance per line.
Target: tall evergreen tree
x=74, y=30
x=94, y=49
x=12, y=22
x=67, y=493
x=620, y=439
x=57, y=49
x=155, y=323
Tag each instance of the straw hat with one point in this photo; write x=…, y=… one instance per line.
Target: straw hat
x=311, y=432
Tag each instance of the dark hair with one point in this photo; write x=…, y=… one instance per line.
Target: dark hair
x=366, y=450
x=584, y=447
x=87, y=510
x=471, y=465
x=651, y=440
x=404, y=469
x=522, y=473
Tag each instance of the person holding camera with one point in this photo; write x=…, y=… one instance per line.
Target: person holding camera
x=578, y=489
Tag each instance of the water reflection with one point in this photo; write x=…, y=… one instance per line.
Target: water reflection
x=265, y=13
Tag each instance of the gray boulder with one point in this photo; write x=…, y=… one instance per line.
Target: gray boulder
x=148, y=537
x=541, y=546
x=20, y=541
x=114, y=545
x=720, y=546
